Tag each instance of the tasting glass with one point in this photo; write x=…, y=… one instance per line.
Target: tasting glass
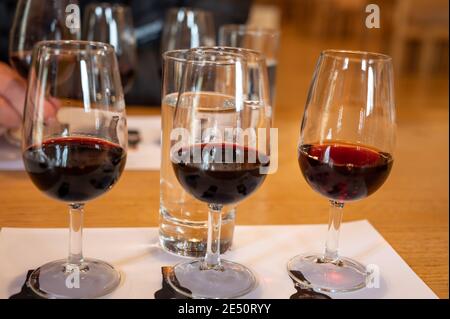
x=217, y=100
x=34, y=22
x=74, y=150
x=113, y=24
x=264, y=40
x=186, y=28
x=183, y=220
x=345, y=153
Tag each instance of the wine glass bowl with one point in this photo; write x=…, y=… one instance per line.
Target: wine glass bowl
x=113, y=24
x=345, y=153
x=260, y=39
x=186, y=28
x=74, y=151
x=344, y=171
x=34, y=22
x=215, y=181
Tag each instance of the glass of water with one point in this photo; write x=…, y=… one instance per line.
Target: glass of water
x=263, y=40
x=183, y=220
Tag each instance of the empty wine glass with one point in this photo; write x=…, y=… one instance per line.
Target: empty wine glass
x=264, y=40
x=113, y=24
x=186, y=28
x=34, y=22
x=345, y=153
x=220, y=155
x=74, y=152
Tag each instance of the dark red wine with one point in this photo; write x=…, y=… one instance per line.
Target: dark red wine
x=344, y=172
x=74, y=169
x=220, y=173
x=21, y=62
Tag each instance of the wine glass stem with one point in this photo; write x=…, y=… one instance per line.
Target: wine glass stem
x=334, y=225
x=212, y=258
x=76, y=235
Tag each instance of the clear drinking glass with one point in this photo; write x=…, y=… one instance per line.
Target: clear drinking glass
x=183, y=220
x=345, y=153
x=220, y=155
x=266, y=41
x=75, y=151
x=186, y=28
x=113, y=24
x=34, y=22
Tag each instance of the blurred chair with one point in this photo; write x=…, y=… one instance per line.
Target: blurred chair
x=339, y=18
x=425, y=22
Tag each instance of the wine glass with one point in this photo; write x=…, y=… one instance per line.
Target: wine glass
x=219, y=155
x=345, y=153
x=76, y=153
x=186, y=28
x=264, y=40
x=113, y=24
x=34, y=22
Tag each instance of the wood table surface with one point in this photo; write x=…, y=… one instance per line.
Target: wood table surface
x=410, y=210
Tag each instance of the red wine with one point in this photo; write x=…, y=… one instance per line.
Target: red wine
x=21, y=62
x=211, y=179
x=344, y=172
x=74, y=169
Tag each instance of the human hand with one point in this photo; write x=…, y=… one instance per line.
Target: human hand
x=12, y=98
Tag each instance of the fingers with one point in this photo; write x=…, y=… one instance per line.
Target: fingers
x=9, y=118
x=12, y=87
x=13, y=91
x=54, y=104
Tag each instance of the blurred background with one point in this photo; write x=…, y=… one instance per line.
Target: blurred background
x=414, y=32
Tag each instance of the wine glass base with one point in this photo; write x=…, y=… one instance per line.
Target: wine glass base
x=52, y=281
x=313, y=271
x=231, y=281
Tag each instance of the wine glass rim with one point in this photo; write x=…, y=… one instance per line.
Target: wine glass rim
x=355, y=55
x=182, y=55
x=188, y=9
x=106, y=5
x=74, y=45
x=257, y=55
x=252, y=30
x=224, y=58
x=175, y=55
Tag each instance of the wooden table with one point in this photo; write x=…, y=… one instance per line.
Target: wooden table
x=410, y=210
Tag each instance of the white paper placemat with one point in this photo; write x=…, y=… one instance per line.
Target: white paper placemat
x=265, y=249
x=147, y=156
